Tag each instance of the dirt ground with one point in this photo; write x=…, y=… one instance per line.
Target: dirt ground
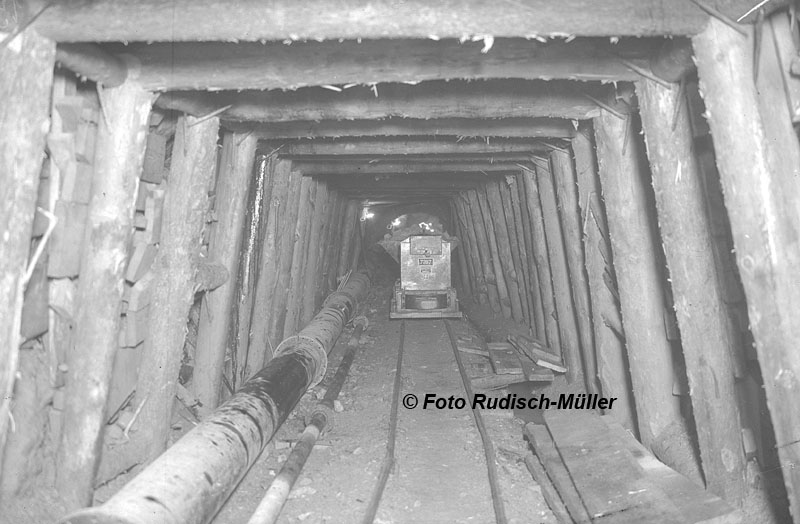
x=440, y=473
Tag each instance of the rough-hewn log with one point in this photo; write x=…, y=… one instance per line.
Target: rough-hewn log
x=510, y=127
x=673, y=60
x=404, y=147
x=472, y=212
x=640, y=281
x=117, y=20
x=510, y=199
x=611, y=357
x=481, y=205
x=565, y=180
x=27, y=64
x=518, y=198
x=348, y=234
x=325, y=244
x=93, y=62
x=275, y=65
x=314, y=271
x=435, y=99
x=500, y=231
x=425, y=166
x=194, y=161
x=758, y=165
x=266, y=290
x=699, y=302
x=230, y=203
x=471, y=248
x=109, y=228
x=462, y=268
x=556, y=251
x=298, y=275
x=540, y=251
x=334, y=240
x=285, y=251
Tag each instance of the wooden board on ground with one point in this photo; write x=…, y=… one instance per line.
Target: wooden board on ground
x=697, y=505
x=544, y=448
x=504, y=358
x=610, y=481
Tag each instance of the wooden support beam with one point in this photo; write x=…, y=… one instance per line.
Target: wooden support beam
x=500, y=232
x=471, y=248
x=326, y=216
x=348, y=233
x=556, y=250
x=610, y=355
x=641, y=292
x=115, y=182
x=299, y=274
x=706, y=335
x=540, y=250
x=93, y=62
x=151, y=21
x=566, y=186
x=218, y=66
x=758, y=159
x=194, y=161
x=25, y=85
x=435, y=99
x=486, y=221
x=378, y=168
x=510, y=199
x=463, y=268
x=510, y=127
x=403, y=146
x=472, y=212
x=313, y=271
x=518, y=198
x=275, y=205
x=230, y=207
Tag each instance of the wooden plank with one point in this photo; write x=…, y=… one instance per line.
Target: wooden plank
x=428, y=166
x=606, y=475
x=504, y=359
x=547, y=488
x=695, y=503
x=64, y=259
x=758, y=171
x=484, y=220
x=140, y=261
x=510, y=127
x=402, y=147
x=105, y=248
x=513, y=278
x=543, y=446
x=706, y=335
x=117, y=20
x=275, y=65
x=153, y=170
x=435, y=99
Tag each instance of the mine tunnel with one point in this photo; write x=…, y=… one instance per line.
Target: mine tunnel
x=378, y=261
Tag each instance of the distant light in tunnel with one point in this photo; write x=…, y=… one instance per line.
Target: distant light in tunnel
x=366, y=214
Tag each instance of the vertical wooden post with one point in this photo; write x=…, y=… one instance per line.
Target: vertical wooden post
x=567, y=325
x=119, y=156
x=540, y=251
x=194, y=159
x=233, y=183
x=498, y=237
x=610, y=355
x=315, y=242
x=464, y=270
x=484, y=221
x=478, y=239
x=267, y=277
x=348, y=235
x=518, y=197
x=517, y=235
x=285, y=251
x=467, y=236
x=326, y=247
x=298, y=276
x=705, y=335
x=27, y=63
x=569, y=211
x=510, y=230
x=335, y=240
x=758, y=161
x=640, y=281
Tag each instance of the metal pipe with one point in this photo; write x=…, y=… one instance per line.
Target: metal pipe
x=269, y=509
x=190, y=481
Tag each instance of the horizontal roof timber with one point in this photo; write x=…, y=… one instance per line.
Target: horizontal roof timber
x=376, y=159
x=401, y=146
x=408, y=127
x=253, y=20
x=341, y=168
x=274, y=65
x=435, y=99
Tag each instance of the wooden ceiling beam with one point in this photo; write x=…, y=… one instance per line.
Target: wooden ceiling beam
x=274, y=65
x=435, y=99
x=402, y=146
x=366, y=168
x=254, y=20
x=412, y=127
